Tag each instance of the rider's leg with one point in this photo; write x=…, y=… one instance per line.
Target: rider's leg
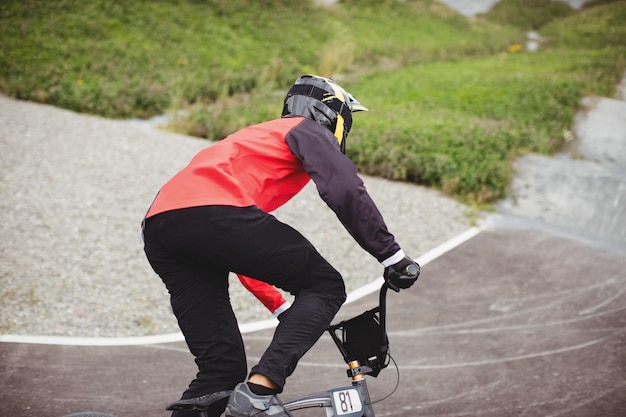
x=200, y=301
x=212, y=335
x=208, y=323
x=286, y=259
x=319, y=292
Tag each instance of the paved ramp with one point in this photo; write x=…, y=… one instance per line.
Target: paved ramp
x=582, y=190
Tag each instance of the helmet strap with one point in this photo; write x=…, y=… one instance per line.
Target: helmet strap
x=339, y=131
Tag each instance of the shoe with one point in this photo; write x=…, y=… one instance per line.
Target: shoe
x=245, y=403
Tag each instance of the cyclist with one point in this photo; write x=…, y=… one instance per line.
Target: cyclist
x=213, y=217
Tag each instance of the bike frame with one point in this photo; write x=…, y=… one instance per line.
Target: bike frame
x=351, y=401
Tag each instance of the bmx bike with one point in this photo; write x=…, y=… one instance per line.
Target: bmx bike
x=363, y=343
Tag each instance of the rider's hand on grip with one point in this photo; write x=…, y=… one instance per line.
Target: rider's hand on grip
x=402, y=274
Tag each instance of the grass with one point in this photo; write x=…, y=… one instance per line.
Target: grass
x=451, y=102
x=137, y=59
x=529, y=14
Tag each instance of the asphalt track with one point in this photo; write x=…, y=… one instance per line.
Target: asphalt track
x=512, y=322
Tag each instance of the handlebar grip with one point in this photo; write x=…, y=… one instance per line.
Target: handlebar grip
x=411, y=271
x=404, y=278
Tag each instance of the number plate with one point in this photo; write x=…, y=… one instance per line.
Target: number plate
x=347, y=402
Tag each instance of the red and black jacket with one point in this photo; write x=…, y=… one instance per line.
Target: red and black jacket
x=267, y=164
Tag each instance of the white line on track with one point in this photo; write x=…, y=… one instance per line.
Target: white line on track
x=244, y=328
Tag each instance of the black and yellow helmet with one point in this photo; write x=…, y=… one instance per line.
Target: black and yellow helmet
x=323, y=100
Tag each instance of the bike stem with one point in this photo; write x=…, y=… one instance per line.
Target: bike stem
x=358, y=380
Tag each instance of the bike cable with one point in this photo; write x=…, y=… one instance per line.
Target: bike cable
x=397, y=382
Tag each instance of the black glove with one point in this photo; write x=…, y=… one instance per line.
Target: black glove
x=402, y=274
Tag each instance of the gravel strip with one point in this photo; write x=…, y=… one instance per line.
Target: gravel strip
x=74, y=189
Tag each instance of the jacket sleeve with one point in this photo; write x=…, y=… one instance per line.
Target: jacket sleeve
x=339, y=185
x=266, y=294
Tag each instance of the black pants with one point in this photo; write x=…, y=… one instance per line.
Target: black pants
x=193, y=250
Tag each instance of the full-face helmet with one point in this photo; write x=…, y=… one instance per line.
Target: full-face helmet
x=323, y=100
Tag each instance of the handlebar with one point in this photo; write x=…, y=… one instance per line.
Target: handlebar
x=382, y=313
x=364, y=337
x=410, y=273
